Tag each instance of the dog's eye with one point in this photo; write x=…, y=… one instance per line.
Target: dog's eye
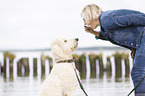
x=65, y=40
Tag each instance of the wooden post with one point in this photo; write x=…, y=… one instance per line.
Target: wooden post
x=11, y=59
x=118, y=66
x=92, y=59
x=42, y=66
x=25, y=61
x=4, y=67
x=127, y=66
x=82, y=61
x=101, y=66
x=6, y=55
x=0, y=68
x=34, y=67
x=109, y=67
x=19, y=68
x=50, y=62
x=27, y=69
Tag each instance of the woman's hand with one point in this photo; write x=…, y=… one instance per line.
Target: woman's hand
x=90, y=30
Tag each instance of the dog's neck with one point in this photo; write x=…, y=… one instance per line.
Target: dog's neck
x=62, y=58
x=66, y=61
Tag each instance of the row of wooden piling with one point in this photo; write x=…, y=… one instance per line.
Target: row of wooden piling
x=92, y=60
x=23, y=66
x=118, y=57
x=80, y=61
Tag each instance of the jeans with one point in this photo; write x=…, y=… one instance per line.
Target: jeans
x=138, y=70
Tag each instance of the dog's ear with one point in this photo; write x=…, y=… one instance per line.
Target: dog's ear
x=57, y=52
x=56, y=46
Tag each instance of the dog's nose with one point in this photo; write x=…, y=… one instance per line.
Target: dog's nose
x=76, y=39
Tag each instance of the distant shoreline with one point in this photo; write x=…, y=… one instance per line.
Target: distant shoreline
x=48, y=49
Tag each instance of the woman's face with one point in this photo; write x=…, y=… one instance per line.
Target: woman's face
x=93, y=24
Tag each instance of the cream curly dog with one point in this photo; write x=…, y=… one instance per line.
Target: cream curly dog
x=62, y=80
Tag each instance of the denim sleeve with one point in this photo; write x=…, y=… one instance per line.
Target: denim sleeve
x=130, y=20
x=101, y=36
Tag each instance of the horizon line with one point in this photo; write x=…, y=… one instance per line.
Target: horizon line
x=82, y=48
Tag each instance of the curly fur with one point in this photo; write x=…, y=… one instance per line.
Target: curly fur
x=62, y=80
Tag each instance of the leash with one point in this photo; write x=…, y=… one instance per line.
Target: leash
x=81, y=85
x=136, y=86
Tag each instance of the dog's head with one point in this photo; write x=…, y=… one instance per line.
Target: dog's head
x=62, y=48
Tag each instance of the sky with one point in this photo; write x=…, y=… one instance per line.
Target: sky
x=33, y=24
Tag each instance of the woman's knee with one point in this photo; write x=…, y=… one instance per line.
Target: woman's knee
x=138, y=80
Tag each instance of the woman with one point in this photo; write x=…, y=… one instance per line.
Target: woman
x=125, y=28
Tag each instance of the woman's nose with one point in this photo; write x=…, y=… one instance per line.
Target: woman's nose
x=85, y=23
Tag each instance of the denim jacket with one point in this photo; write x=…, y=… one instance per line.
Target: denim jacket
x=122, y=27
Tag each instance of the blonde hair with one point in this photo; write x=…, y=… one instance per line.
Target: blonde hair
x=91, y=12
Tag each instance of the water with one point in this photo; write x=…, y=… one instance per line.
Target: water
x=29, y=86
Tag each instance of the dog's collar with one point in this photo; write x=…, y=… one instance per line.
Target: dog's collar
x=66, y=61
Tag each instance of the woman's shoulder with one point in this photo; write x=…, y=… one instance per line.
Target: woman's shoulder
x=121, y=12
x=107, y=15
